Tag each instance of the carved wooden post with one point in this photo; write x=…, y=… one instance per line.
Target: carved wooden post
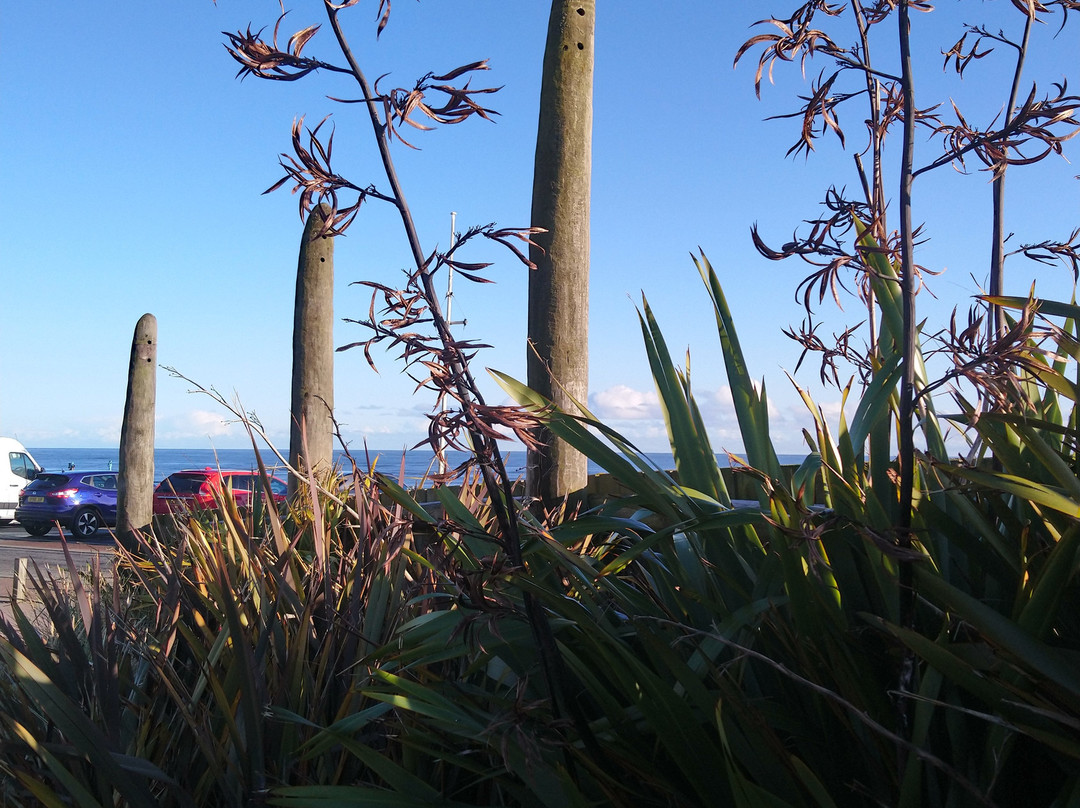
x=135, y=487
x=313, y=352
x=558, y=351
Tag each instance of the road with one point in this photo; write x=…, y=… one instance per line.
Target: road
x=15, y=544
x=14, y=541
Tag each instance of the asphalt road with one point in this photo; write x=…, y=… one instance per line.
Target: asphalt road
x=16, y=543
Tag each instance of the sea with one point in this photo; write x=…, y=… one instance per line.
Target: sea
x=411, y=468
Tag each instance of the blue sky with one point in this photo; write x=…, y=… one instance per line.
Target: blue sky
x=134, y=163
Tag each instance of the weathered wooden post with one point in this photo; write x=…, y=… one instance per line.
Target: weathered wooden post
x=135, y=486
x=558, y=350
x=311, y=433
x=19, y=590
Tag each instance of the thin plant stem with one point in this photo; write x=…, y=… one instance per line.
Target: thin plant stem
x=996, y=322
x=492, y=467
x=906, y=428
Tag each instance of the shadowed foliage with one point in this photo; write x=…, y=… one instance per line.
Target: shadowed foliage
x=865, y=631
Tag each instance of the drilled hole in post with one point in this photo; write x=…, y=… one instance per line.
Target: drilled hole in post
x=580, y=46
x=581, y=11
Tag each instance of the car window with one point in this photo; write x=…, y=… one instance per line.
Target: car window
x=21, y=465
x=252, y=482
x=47, y=482
x=106, y=482
x=182, y=484
x=239, y=482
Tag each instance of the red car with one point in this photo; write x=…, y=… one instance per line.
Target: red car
x=201, y=489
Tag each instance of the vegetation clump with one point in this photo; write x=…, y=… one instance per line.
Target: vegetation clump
x=874, y=630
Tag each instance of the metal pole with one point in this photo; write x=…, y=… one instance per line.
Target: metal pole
x=449, y=309
x=450, y=273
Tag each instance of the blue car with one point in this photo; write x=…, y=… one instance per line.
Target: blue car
x=81, y=501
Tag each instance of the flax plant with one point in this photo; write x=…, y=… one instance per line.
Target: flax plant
x=783, y=621
x=411, y=318
x=761, y=602
x=437, y=357
x=858, y=73
x=828, y=641
x=1026, y=133
x=201, y=681
x=365, y=650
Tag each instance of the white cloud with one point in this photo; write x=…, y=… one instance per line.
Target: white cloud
x=637, y=415
x=722, y=396
x=623, y=403
x=108, y=435
x=194, y=427
x=211, y=423
x=47, y=437
x=74, y=433
x=832, y=410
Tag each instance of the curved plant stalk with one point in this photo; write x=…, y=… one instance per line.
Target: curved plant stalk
x=474, y=425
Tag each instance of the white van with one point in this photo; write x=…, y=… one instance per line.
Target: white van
x=17, y=468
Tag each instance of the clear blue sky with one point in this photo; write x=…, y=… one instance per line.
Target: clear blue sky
x=133, y=163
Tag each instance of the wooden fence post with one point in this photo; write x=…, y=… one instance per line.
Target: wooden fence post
x=18, y=583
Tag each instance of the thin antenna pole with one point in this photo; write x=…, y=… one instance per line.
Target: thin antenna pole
x=449, y=310
x=450, y=272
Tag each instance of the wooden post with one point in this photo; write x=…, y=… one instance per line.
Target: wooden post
x=311, y=433
x=18, y=582
x=558, y=350
x=135, y=482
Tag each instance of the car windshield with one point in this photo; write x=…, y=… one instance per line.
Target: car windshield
x=47, y=482
x=182, y=484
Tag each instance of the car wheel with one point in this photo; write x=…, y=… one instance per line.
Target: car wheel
x=86, y=523
x=37, y=528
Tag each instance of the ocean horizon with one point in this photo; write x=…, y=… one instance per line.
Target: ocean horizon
x=412, y=466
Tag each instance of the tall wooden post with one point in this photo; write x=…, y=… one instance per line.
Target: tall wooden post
x=135, y=485
x=312, y=408
x=558, y=351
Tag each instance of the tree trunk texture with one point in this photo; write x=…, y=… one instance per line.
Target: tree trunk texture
x=135, y=483
x=558, y=350
x=311, y=434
